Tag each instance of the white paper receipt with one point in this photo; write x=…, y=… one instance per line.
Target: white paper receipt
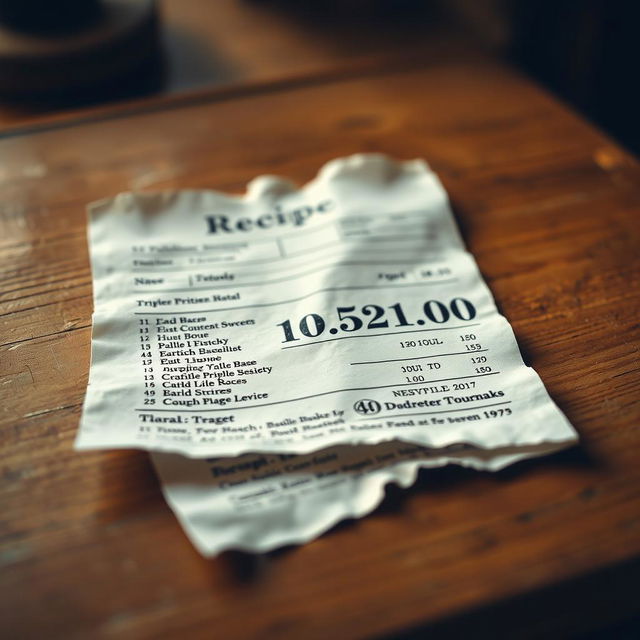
x=342, y=323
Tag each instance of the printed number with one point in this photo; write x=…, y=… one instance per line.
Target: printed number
x=461, y=386
x=497, y=413
x=367, y=407
x=436, y=311
x=356, y=323
x=378, y=312
x=318, y=325
x=349, y=319
x=462, y=309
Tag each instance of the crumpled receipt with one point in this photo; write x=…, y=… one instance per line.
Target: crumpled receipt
x=287, y=353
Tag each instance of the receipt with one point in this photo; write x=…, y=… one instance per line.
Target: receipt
x=287, y=353
x=288, y=321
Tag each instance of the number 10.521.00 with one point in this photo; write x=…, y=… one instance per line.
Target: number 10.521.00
x=373, y=316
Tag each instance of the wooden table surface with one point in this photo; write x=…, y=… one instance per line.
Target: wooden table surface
x=551, y=210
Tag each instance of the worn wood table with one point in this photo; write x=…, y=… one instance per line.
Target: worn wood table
x=551, y=210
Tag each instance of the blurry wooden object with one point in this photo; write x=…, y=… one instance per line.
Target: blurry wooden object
x=229, y=44
x=550, y=209
x=50, y=48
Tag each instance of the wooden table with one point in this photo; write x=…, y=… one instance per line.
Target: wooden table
x=551, y=210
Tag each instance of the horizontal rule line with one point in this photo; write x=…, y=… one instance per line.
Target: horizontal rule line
x=215, y=287
x=429, y=413
x=429, y=259
x=317, y=395
x=304, y=297
x=436, y=355
x=282, y=262
x=388, y=333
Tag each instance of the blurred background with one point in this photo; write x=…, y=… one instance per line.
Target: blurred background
x=57, y=55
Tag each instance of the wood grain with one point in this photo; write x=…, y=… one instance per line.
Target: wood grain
x=228, y=44
x=551, y=210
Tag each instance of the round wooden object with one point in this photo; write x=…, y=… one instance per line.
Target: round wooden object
x=119, y=36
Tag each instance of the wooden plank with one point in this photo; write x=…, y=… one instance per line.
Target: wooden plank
x=550, y=208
